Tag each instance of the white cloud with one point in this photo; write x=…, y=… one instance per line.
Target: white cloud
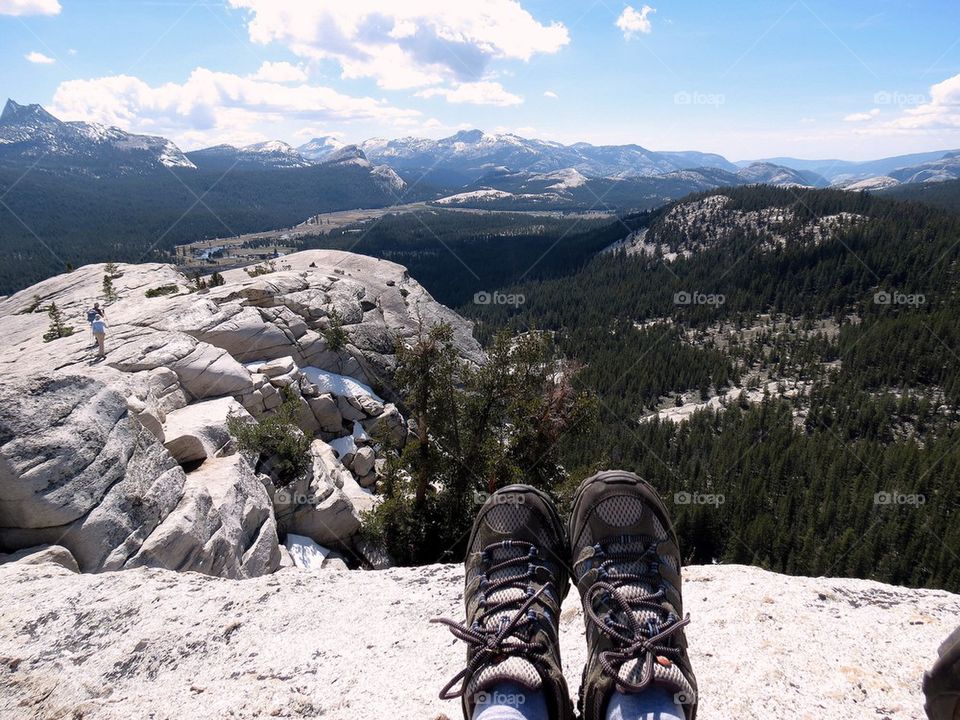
x=280, y=72
x=633, y=21
x=475, y=93
x=551, y=94
x=39, y=58
x=213, y=107
x=314, y=132
x=408, y=44
x=29, y=7
x=941, y=112
x=862, y=116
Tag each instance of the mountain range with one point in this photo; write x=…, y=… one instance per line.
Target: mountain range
x=468, y=161
x=846, y=172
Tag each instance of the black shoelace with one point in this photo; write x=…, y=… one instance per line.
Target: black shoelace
x=618, y=615
x=506, y=639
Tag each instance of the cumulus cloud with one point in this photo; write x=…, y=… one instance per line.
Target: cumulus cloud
x=633, y=21
x=941, y=112
x=29, y=7
x=212, y=107
x=475, y=93
x=551, y=94
x=39, y=58
x=862, y=116
x=403, y=45
x=280, y=72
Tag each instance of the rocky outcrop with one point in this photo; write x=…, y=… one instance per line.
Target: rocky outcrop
x=80, y=470
x=337, y=645
x=223, y=525
x=128, y=461
x=198, y=431
x=41, y=555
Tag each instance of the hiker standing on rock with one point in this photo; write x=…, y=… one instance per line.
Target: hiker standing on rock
x=99, y=327
x=92, y=314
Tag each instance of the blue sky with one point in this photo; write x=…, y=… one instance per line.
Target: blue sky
x=807, y=78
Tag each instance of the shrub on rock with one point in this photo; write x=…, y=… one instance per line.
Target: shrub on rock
x=277, y=436
x=58, y=328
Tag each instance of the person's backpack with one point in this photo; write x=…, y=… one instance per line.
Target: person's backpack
x=92, y=315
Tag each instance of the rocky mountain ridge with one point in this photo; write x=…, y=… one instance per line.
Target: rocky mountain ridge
x=271, y=154
x=694, y=225
x=129, y=462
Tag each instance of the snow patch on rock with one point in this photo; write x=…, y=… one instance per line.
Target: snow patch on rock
x=339, y=385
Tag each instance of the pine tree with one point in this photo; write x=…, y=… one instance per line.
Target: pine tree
x=109, y=294
x=58, y=328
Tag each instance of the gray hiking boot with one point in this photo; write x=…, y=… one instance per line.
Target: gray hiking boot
x=626, y=565
x=942, y=684
x=516, y=579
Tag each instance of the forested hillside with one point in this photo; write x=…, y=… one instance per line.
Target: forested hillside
x=458, y=254
x=940, y=194
x=49, y=220
x=810, y=340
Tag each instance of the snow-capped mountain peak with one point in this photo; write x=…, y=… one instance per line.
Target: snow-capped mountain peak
x=14, y=112
x=30, y=133
x=270, y=146
x=320, y=147
x=276, y=153
x=268, y=155
x=347, y=155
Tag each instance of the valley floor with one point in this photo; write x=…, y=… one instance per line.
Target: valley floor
x=347, y=645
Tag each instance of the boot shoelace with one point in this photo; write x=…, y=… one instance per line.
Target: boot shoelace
x=504, y=639
x=633, y=638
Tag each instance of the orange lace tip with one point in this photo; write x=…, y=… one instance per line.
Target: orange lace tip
x=664, y=661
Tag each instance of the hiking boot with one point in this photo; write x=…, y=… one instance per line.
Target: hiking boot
x=626, y=565
x=942, y=684
x=516, y=579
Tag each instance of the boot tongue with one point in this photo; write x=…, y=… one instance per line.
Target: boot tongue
x=512, y=669
x=512, y=594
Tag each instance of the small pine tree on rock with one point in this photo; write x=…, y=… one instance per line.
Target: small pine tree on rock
x=109, y=293
x=334, y=333
x=58, y=328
